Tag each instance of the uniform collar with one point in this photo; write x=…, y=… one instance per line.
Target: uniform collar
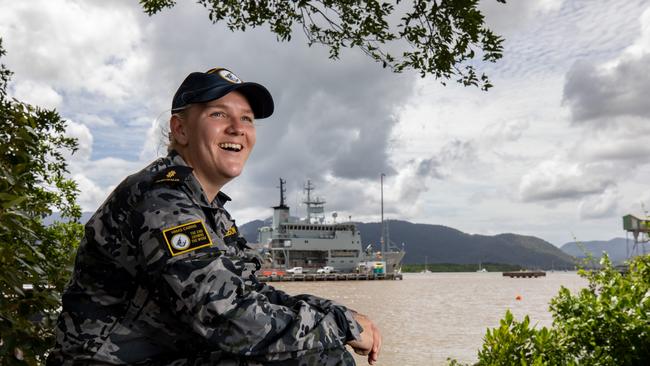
x=193, y=185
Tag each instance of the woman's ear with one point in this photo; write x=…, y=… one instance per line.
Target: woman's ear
x=178, y=129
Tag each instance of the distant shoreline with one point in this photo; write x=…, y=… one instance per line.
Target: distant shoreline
x=455, y=267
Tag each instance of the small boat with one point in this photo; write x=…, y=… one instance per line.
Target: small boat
x=426, y=268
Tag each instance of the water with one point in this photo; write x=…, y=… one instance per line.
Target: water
x=427, y=318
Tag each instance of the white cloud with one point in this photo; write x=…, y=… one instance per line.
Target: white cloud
x=95, y=178
x=642, y=44
x=64, y=42
x=599, y=206
x=515, y=15
x=90, y=194
x=413, y=180
x=38, y=94
x=84, y=140
x=603, y=93
x=557, y=180
x=599, y=91
x=94, y=120
x=626, y=150
x=505, y=131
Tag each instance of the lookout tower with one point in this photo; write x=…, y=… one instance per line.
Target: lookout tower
x=640, y=229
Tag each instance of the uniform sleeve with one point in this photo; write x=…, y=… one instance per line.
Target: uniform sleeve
x=210, y=290
x=279, y=297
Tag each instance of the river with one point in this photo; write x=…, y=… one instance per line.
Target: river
x=426, y=318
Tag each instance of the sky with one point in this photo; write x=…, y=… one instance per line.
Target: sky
x=557, y=149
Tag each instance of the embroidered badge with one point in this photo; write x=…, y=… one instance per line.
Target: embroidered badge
x=187, y=237
x=173, y=175
x=229, y=76
x=226, y=74
x=231, y=231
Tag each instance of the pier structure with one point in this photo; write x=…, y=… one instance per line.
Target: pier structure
x=288, y=277
x=524, y=274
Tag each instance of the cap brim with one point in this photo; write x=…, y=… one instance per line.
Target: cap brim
x=257, y=95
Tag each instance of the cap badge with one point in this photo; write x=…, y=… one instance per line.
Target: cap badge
x=229, y=76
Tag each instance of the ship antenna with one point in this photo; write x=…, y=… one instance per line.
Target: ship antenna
x=308, y=188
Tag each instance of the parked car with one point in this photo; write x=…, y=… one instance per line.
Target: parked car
x=295, y=270
x=326, y=269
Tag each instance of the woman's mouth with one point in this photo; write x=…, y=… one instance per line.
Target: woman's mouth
x=230, y=146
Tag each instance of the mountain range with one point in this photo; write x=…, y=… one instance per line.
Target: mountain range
x=618, y=249
x=442, y=244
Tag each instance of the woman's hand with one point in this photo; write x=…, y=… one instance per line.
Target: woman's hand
x=370, y=342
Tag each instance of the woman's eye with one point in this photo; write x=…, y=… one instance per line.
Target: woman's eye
x=218, y=114
x=247, y=119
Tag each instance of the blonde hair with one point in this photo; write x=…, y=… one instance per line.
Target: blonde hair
x=171, y=141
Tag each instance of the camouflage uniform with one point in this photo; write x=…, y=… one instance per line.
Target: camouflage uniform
x=163, y=277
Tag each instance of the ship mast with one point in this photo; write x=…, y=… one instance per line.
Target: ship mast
x=385, y=240
x=313, y=207
x=282, y=192
x=308, y=188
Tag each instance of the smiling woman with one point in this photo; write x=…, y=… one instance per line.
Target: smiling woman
x=163, y=276
x=215, y=138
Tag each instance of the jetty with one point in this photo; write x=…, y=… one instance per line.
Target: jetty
x=524, y=274
x=331, y=277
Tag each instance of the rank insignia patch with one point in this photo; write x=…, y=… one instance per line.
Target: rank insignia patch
x=187, y=237
x=172, y=175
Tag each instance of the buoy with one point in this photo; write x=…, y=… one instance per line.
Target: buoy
x=518, y=297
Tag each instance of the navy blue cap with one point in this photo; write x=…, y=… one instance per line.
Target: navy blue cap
x=200, y=87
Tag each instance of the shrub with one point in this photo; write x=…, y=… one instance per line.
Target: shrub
x=607, y=323
x=33, y=184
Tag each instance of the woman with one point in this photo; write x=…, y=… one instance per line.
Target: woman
x=162, y=275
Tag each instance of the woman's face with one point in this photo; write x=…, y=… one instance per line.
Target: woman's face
x=216, y=138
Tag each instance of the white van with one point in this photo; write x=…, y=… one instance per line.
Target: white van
x=326, y=269
x=295, y=270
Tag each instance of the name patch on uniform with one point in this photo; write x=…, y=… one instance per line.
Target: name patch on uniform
x=187, y=237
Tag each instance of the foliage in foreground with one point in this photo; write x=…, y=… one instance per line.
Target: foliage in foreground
x=607, y=323
x=32, y=185
x=439, y=38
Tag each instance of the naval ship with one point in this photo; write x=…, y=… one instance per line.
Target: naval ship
x=312, y=243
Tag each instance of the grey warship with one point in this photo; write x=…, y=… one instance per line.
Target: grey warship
x=311, y=243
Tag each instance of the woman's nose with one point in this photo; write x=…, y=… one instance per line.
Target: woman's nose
x=235, y=126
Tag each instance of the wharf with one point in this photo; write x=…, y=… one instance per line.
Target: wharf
x=331, y=277
x=524, y=274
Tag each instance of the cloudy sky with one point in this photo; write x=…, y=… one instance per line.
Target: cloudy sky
x=558, y=148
